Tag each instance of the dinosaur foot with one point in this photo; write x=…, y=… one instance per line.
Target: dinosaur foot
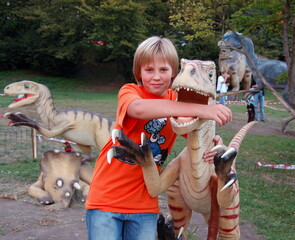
x=165, y=230
x=223, y=161
x=139, y=154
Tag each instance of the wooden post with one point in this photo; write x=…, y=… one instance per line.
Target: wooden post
x=34, y=143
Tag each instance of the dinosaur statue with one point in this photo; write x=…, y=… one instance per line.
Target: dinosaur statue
x=270, y=69
x=84, y=128
x=59, y=178
x=191, y=183
x=235, y=64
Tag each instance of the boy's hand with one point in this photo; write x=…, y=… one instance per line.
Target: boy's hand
x=209, y=156
x=219, y=113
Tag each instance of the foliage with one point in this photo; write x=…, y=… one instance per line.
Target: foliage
x=54, y=36
x=263, y=21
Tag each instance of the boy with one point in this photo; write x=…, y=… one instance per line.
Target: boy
x=118, y=204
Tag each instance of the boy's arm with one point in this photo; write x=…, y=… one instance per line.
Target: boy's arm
x=159, y=108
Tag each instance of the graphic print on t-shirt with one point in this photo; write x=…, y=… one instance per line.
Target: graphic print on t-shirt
x=153, y=129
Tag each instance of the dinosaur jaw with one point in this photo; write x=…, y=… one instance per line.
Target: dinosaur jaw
x=183, y=125
x=22, y=100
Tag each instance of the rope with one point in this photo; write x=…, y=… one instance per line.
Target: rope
x=279, y=166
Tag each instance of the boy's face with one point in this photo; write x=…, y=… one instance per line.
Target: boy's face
x=156, y=77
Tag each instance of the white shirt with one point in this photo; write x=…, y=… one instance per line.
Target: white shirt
x=221, y=85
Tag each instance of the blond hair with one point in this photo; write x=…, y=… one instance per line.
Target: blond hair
x=151, y=48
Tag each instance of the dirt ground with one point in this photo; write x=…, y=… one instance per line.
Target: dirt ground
x=23, y=218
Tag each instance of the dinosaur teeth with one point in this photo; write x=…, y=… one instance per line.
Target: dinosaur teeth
x=184, y=124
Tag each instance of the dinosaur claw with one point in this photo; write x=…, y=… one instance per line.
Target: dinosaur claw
x=5, y=115
x=229, y=153
x=144, y=139
x=110, y=155
x=77, y=186
x=230, y=180
x=115, y=135
x=180, y=232
x=218, y=148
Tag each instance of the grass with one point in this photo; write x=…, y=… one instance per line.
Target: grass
x=267, y=194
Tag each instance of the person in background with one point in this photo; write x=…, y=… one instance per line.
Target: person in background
x=251, y=108
x=222, y=86
x=259, y=101
x=118, y=206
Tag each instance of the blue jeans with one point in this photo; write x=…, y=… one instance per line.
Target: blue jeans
x=121, y=226
x=259, y=101
x=222, y=100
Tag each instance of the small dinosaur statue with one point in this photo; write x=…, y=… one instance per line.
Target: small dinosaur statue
x=191, y=183
x=59, y=178
x=82, y=127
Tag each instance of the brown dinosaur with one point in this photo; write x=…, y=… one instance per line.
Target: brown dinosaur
x=59, y=178
x=235, y=64
x=191, y=183
x=85, y=128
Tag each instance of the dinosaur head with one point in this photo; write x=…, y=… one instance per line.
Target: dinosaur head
x=26, y=90
x=231, y=40
x=60, y=174
x=225, y=53
x=195, y=83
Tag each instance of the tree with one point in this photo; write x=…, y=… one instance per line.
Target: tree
x=277, y=17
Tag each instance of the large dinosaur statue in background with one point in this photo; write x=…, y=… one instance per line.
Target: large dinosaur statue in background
x=192, y=183
x=270, y=69
x=82, y=127
x=235, y=64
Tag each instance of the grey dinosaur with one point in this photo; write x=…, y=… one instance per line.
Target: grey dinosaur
x=270, y=69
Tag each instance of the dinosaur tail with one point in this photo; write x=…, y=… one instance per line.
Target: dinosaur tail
x=238, y=138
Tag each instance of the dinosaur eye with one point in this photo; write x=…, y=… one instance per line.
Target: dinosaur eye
x=210, y=74
x=193, y=71
x=27, y=86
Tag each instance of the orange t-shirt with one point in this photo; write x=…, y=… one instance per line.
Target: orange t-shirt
x=119, y=186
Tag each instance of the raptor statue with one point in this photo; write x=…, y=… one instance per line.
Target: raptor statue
x=59, y=178
x=193, y=184
x=85, y=128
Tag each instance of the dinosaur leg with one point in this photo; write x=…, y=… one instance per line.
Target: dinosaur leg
x=86, y=172
x=180, y=212
x=87, y=151
x=37, y=191
x=85, y=189
x=247, y=79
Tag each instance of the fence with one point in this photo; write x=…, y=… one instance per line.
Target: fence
x=21, y=143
